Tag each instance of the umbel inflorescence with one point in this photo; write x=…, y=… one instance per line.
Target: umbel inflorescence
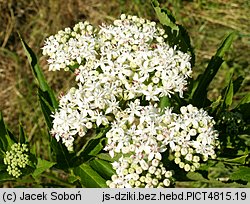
x=115, y=63
x=16, y=159
x=118, y=68
x=143, y=133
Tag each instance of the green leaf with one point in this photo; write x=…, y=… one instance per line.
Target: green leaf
x=226, y=44
x=46, y=108
x=164, y=16
x=99, y=147
x=102, y=167
x=245, y=99
x=37, y=71
x=164, y=102
x=4, y=176
x=199, y=96
x=5, y=140
x=195, y=176
x=243, y=173
x=3, y=133
x=244, y=107
x=48, y=104
x=215, y=105
x=22, y=136
x=238, y=160
x=237, y=83
x=73, y=178
x=42, y=165
x=177, y=35
x=228, y=96
x=107, y=157
x=11, y=138
x=2, y=165
x=63, y=157
x=88, y=177
x=93, y=146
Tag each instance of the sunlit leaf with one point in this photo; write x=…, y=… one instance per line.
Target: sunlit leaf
x=88, y=177
x=164, y=16
x=42, y=165
x=199, y=95
x=104, y=168
x=39, y=74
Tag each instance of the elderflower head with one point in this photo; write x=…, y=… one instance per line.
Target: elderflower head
x=136, y=129
x=192, y=137
x=114, y=64
x=70, y=46
x=16, y=159
x=189, y=136
x=139, y=172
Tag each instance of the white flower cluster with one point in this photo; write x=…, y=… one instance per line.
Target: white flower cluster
x=118, y=67
x=70, y=46
x=83, y=109
x=145, y=133
x=192, y=137
x=16, y=159
x=134, y=172
x=115, y=64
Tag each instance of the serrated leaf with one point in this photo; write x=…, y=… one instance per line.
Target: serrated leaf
x=177, y=35
x=88, y=177
x=102, y=167
x=42, y=165
x=243, y=173
x=164, y=16
x=199, y=97
x=37, y=71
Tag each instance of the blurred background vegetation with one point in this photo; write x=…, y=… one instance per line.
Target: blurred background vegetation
x=207, y=22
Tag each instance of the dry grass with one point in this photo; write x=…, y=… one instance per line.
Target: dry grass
x=206, y=21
